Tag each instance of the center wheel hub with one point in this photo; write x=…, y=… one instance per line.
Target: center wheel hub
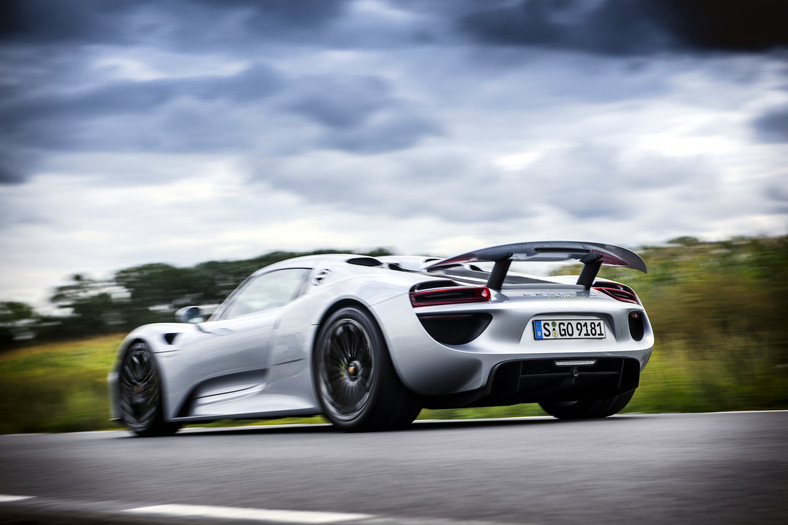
x=353, y=370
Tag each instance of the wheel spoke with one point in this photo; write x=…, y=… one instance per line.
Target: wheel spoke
x=336, y=353
x=347, y=343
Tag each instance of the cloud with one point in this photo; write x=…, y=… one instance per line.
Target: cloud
x=339, y=102
x=777, y=196
x=566, y=25
x=181, y=114
x=190, y=24
x=611, y=27
x=584, y=181
x=393, y=130
x=139, y=97
x=195, y=114
x=608, y=27
x=15, y=164
x=728, y=25
x=772, y=126
x=50, y=21
x=359, y=115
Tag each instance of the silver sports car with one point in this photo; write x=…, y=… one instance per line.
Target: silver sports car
x=368, y=342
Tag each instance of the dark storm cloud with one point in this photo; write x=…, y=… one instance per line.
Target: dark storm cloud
x=340, y=102
x=273, y=15
x=208, y=113
x=51, y=21
x=174, y=23
x=14, y=164
x=237, y=26
x=389, y=131
x=54, y=98
x=251, y=84
x=359, y=114
x=609, y=27
x=773, y=125
x=73, y=120
x=614, y=27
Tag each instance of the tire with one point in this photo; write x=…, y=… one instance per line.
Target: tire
x=354, y=379
x=139, y=393
x=588, y=408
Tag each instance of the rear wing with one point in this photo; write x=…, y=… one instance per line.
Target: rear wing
x=593, y=255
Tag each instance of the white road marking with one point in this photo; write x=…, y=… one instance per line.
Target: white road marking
x=281, y=516
x=5, y=498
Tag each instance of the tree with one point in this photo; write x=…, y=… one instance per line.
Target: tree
x=16, y=321
x=91, y=303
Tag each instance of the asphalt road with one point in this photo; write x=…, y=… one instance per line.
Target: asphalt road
x=673, y=468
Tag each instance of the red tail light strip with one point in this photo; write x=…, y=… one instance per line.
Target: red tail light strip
x=618, y=292
x=454, y=295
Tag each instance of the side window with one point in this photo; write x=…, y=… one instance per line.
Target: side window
x=268, y=291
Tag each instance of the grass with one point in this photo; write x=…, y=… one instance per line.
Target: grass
x=61, y=387
x=722, y=374
x=57, y=387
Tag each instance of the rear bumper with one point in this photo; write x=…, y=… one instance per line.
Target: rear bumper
x=535, y=380
x=508, y=347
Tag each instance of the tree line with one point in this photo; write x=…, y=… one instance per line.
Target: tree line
x=134, y=296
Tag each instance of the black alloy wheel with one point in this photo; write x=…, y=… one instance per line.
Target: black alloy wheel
x=139, y=393
x=354, y=378
x=347, y=369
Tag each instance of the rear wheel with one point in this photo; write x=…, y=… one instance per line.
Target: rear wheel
x=139, y=393
x=588, y=408
x=354, y=378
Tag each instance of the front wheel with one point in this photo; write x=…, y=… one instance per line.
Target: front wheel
x=139, y=393
x=354, y=378
x=588, y=408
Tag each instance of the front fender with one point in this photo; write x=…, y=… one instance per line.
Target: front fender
x=156, y=337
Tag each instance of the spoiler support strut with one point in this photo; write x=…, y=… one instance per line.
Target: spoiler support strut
x=591, y=265
x=498, y=274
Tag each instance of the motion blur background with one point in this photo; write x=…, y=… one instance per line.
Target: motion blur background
x=140, y=140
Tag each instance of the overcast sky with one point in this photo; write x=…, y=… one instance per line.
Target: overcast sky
x=192, y=130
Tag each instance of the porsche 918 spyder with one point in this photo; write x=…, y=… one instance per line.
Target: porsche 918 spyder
x=368, y=342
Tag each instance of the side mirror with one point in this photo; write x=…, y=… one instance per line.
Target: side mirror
x=190, y=314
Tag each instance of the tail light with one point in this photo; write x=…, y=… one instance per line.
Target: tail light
x=453, y=295
x=617, y=291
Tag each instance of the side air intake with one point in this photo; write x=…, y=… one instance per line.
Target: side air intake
x=455, y=329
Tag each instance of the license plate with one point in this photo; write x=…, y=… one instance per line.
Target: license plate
x=568, y=329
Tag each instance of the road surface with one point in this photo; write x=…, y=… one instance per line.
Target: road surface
x=644, y=469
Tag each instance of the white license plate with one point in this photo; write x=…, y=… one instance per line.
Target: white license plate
x=545, y=329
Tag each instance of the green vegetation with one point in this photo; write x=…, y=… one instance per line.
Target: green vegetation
x=57, y=387
x=717, y=311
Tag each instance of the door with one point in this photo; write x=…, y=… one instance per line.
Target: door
x=229, y=357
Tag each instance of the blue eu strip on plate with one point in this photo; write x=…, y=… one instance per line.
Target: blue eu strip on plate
x=538, y=329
